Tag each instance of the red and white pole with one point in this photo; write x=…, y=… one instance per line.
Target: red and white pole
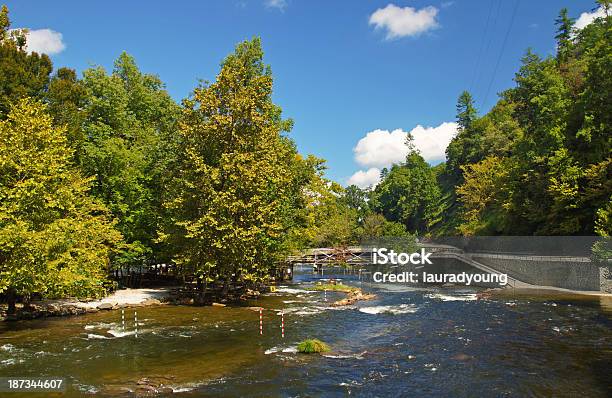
x=282, y=324
x=260, y=320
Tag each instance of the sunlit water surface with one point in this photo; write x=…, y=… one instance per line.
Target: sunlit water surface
x=408, y=342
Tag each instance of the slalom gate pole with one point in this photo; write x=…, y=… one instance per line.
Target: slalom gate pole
x=282, y=324
x=261, y=321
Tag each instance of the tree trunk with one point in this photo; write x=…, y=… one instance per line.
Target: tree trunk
x=201, y=292
x=225, y=288
x=11, y=299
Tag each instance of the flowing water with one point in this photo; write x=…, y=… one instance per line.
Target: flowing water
x=407, y=342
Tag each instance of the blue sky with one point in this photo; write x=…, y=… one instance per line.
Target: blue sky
x=342, y=69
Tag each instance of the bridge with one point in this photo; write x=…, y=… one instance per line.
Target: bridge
x=524, y=271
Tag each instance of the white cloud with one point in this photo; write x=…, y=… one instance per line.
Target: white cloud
x=383, y=148
x=588, y=17
x=45, y=41
x=432, y=141
x=280, y=4
x=404, y=21
x=364, y=179
x=380, y=148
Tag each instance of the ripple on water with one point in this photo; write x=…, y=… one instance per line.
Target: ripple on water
x=286, y=350
x=7, y=347
x=345, y=356
x=453, y=297
x=390, y=309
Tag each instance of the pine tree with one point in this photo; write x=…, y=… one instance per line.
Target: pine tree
x=565, y=31
x=466, y=111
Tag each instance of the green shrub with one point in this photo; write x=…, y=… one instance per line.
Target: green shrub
x=339, y=287
x=311, y=346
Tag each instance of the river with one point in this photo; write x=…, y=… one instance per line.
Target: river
x=407, y=342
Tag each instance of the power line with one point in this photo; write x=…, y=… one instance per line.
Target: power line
x=501, y=52
x=481, y=47
x=491, y=35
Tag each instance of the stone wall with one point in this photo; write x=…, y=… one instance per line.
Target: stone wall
x=574, y=274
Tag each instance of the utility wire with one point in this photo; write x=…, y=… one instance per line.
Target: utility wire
x=482, y=43
x=491, y=37
x=501, y=52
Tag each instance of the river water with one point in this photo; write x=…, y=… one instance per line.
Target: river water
x=407, y=342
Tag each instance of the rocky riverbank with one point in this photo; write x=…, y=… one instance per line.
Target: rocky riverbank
x=124, y=298
x=66, y=307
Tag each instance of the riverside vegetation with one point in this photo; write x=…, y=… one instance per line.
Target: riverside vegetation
x=106, y=172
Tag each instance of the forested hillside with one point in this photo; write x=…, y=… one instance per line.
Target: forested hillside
x=538, y=163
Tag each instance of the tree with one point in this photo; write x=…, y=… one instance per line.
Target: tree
x=54, y=238
x=466, y=111
x=464, y=147
x=67, y=97
x=21, y=74
x=484, y=195
x=565, y=32
x=357, y=199
x=130, y=143
x=409, y=195
x=235, y=191
x=376, y=226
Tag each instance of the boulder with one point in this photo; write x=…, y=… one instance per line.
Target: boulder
x=105, y=306
x=53, y=308
x=151, y=301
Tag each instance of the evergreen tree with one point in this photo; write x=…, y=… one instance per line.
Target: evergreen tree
x=565, y=32
x=466, y=111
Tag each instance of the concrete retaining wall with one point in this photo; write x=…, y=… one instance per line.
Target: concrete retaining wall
x=576, y=274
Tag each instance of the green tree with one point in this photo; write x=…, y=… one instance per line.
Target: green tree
x=484, y=195
x=464, y=147
x=130, y=144
x=565, y=32
x=357, y=199
x=67, y=97
x=21, y=74
x=54, y=239
x=466, y=111
x=376, y=226
x=234, y=205
x=409, y=195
